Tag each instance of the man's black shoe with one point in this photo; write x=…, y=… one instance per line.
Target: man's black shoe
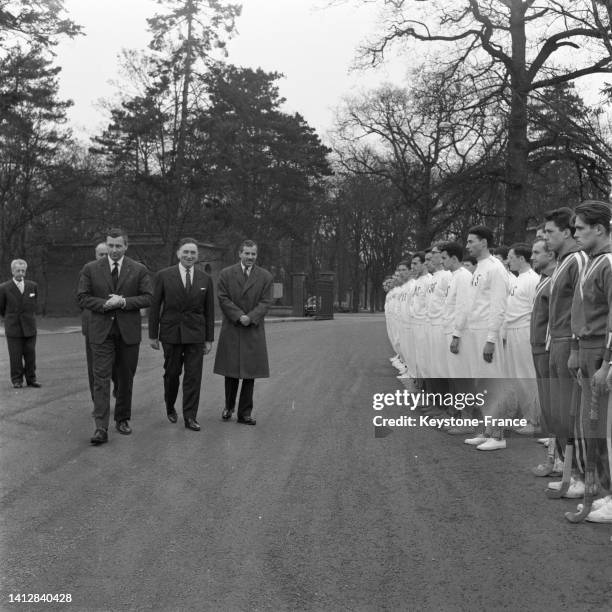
x=172, y=416
x=123, y=427
x=247, y=421
x=18, y=385
x=99, y=437
x=226, y=415
x=35, y=384
x=192, y=424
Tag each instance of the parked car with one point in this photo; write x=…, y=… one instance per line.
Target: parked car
x=310, y=307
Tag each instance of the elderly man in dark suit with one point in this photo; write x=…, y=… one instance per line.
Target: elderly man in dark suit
x=182, y=316
x=114, y=289
x=18, y=300
x=245, y=294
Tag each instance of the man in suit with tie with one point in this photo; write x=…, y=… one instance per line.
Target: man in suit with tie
x=245, y=294
x=114, y=289
x=18, y=300
x=182, y=316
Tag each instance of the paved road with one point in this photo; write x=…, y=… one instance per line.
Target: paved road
x=306, y=511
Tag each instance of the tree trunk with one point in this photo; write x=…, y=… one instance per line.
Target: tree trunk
x=517, y=154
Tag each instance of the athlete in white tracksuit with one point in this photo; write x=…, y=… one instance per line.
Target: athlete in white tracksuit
x=436, y=297
x=518, y=361
x=419, y=316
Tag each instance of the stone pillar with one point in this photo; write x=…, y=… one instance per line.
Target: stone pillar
x=325, y=296
x=298, y=297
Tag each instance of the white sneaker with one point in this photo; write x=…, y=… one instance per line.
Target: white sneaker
x=603, y=514
x=478, y=439
x=527, y=430
x=558, y=466
x=598, y=503
x=575, y=490
x=404, y=375
x=492, y=444
x=556, y=485
x=543, y=441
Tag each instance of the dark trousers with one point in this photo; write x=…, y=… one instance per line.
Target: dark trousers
x=124, y=357
x=22, y=356
x=597, y=431
x=245, y=403
x=564, y=400
x=90, y=374
x=191, y=357
x=541, y=363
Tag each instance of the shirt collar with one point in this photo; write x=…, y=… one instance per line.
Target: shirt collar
x=18, y=282
x=183, y=269
x=604, y=249
x=244, y=268
x=111, y=262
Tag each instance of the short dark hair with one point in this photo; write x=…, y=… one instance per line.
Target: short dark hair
x=502, y=250
x=184, y=241
x=404, y=262
x=484, y=233
x=116, y=232
x=453, y=249
x=470, y=259
x=562, y=217
x=521, y=249
x=420, y=255
x=246, y=243
x=594, y=212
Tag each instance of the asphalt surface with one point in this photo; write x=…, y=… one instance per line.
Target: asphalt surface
x=306, y=511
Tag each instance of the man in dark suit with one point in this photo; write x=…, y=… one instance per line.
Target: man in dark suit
x=245, y=294
x=18, y=300
x=182, y=316
x=114, y=289
x=101, y=252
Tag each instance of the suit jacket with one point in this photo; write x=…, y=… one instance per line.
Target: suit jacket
x=180, y=317
x=242, y=351
x=95, y=285
x=19, y=311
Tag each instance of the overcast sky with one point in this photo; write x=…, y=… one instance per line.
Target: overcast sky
x=312, y=43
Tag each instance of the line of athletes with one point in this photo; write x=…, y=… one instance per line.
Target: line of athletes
x=537, y=335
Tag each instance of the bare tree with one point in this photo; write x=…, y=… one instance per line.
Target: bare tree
x=511, y=50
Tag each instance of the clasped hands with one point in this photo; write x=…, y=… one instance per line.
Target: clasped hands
x=245, y=320
x=114, y=301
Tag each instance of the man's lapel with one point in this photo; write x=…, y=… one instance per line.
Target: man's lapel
x=250, y=281
x=239, y=276
x=123, y=274
x=177, y=281
x=105, y=267
x=15, y=289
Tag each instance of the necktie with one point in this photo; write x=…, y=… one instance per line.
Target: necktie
x=21, y=286
x=115, y=275
x=246, y=273
x=188, y=279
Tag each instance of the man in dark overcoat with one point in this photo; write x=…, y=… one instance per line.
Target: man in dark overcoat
x=182, y=316
x=245, y=294
x=114, y=289
x=18, y=300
